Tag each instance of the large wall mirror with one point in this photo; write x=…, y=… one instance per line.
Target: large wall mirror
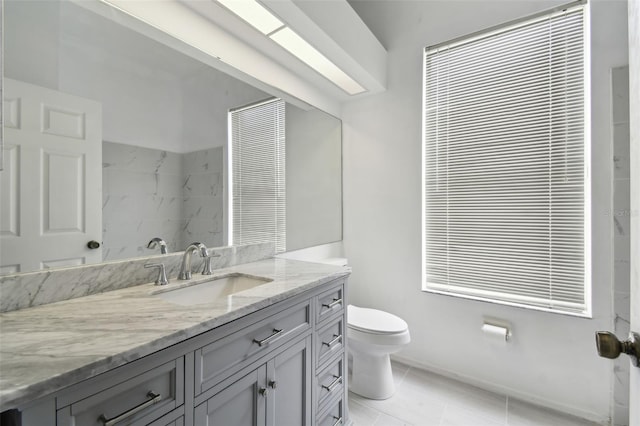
x=113, y=137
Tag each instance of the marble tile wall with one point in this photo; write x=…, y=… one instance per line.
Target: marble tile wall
x=203, y=197
x=621, y=222
x=153, y=193
x=25, y=290
x=142, y=198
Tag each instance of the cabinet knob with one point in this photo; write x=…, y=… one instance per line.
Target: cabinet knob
x=272, y=384
x=93, y=244
x=263, y=392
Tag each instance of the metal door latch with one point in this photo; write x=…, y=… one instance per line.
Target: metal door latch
x=610, y=347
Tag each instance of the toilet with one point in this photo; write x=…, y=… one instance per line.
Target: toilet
x=372, y=336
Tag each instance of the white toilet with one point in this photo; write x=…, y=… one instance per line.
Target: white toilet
x=372, y=336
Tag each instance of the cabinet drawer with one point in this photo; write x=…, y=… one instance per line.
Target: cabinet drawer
x=334, y=416
x=224, y=357
x=330, y=340
x=167, y=422
x=329, y=303
x=136, y=401
x=330, y=381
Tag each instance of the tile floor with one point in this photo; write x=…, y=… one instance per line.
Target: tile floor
x=427, y=399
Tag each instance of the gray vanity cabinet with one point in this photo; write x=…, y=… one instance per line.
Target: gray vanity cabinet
x=124, y=396
x=248, y=339
x=330, y=358
x=164, y=422
x=239, y=404
x=334, y=415
x=283, y=365
x=276, y=392
x=289, y=380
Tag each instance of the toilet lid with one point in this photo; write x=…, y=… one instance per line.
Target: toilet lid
x=374, y=321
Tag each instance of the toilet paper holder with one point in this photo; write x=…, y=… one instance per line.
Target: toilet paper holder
x=497, y=330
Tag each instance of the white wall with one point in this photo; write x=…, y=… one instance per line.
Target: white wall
x=621, y=241
x=32, y=22
x=151, y=95
x=552, y=358
x=313, y=177
x=141, y=106
x=634, y=107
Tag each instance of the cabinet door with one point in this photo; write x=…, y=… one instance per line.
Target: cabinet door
x=289, y=386
x=243, y=403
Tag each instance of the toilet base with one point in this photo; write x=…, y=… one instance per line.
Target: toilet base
x=371, y=376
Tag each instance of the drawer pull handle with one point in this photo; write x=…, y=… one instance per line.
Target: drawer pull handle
x=336, y=339
x=276, y=333
x=338, y=421
x=154, y=399
x=331, y=305
x=334, y=384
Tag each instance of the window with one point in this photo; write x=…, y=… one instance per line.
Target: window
x=257, y=178
x=505, y=165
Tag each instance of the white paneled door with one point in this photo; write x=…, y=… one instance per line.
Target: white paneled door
x=50, y=193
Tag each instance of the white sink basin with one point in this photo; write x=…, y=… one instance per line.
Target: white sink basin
x=210, y=291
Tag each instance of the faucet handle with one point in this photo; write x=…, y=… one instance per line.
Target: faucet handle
x=162, y=273
x=207, y=269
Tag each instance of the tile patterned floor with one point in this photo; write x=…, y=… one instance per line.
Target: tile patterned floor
x=427, y=399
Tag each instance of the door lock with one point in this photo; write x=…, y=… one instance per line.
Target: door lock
x=610, y=347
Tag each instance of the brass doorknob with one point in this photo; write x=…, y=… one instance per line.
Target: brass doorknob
x=610, y=347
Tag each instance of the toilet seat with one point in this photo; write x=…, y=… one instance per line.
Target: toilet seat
x=373, y=321
x=383, y=341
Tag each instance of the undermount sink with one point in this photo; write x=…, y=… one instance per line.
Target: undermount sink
x=212, y=290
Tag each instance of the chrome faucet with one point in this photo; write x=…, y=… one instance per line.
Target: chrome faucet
x=185, y=266
x=160, y=242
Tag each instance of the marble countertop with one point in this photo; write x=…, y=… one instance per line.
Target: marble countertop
x=46, y=348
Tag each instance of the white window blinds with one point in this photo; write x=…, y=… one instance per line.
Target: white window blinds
x=506, y=192
x=258, y=174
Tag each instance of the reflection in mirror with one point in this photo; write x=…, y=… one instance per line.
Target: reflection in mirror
x=159, y=121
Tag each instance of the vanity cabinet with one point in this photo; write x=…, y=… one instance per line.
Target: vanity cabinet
x=240, y=347
x=283, y=365
x=273, y=393
x=334, y=415
x=125, y=396
x=239, y=403
x=330, y=382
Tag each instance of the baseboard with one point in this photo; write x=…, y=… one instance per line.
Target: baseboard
x=504, y=390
